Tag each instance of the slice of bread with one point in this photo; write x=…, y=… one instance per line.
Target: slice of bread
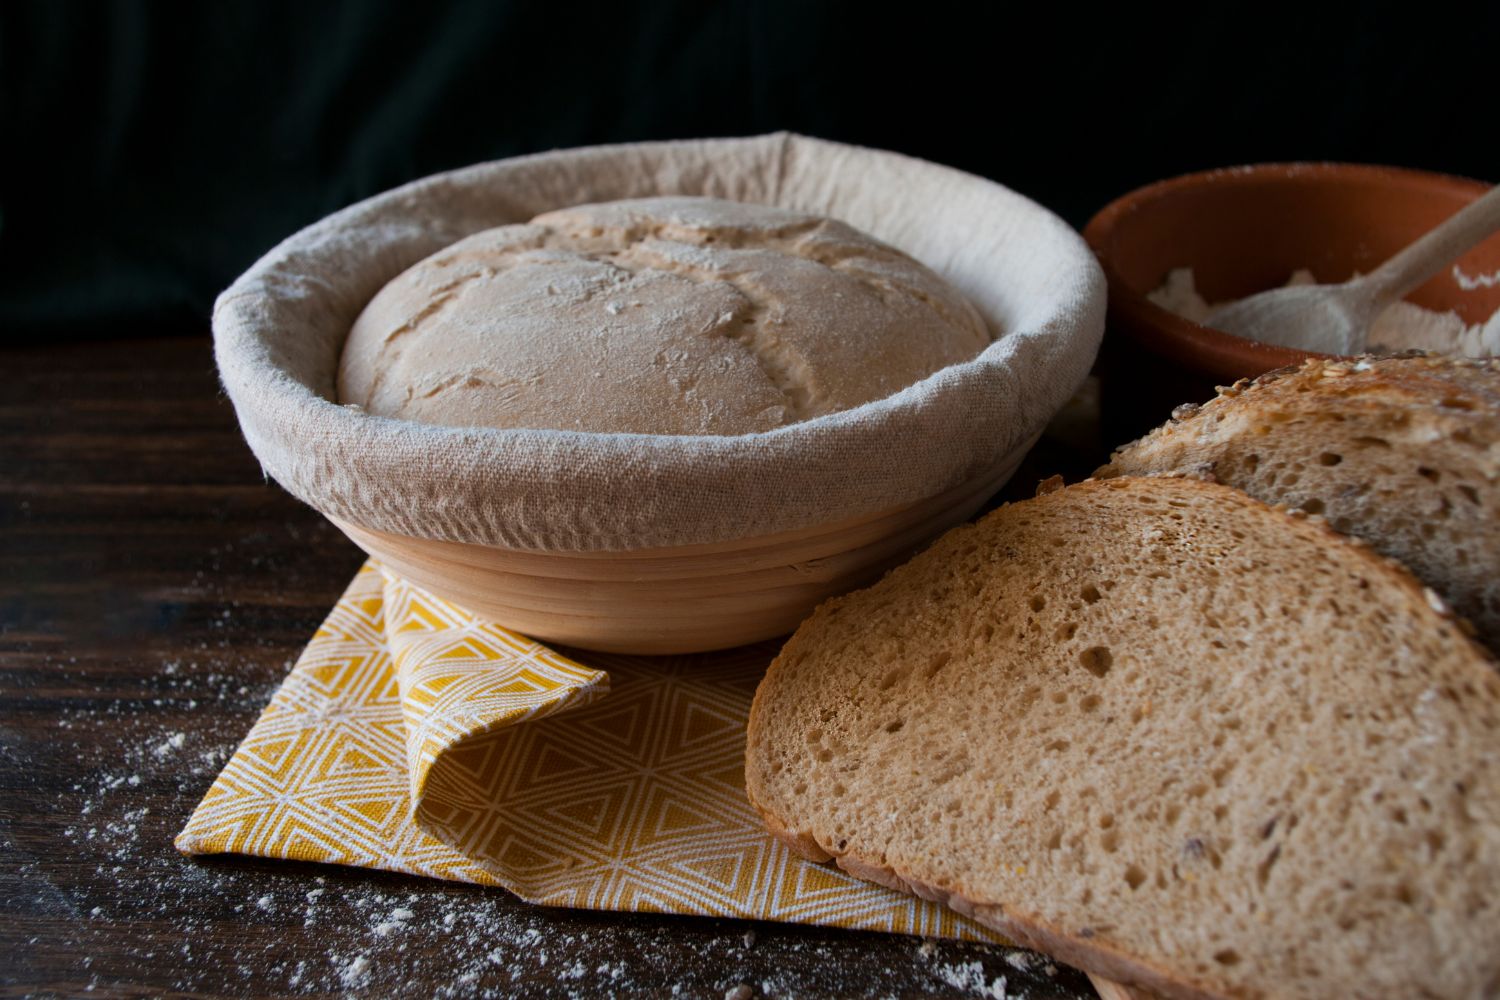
x=1163, y=732
x=1403, y=452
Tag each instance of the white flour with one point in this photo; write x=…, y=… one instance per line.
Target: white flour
x=1469, y=282
x=1401, y=327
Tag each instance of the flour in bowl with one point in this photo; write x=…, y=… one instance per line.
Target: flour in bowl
x=1403, y=326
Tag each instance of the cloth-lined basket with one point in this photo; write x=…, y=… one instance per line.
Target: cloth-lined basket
x=654, y=543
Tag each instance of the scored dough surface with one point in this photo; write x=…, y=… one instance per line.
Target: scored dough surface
x=654, y=316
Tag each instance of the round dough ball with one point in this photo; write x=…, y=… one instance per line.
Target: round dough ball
x=654, y=316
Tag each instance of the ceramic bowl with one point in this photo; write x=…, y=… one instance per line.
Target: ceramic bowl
x=1246, y=229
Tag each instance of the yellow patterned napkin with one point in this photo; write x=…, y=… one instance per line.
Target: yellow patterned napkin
x=415, y=738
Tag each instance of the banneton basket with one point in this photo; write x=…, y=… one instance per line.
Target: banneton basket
x=659, y=543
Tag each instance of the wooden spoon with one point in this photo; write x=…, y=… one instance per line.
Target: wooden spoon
x=1336, y=319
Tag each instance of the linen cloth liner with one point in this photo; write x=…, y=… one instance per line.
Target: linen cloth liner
x=413, y=737
x=279, y=329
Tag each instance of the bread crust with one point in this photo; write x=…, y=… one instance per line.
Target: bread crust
x=1026, y=930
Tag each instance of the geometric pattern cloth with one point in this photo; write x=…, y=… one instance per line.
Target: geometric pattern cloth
x=413, y=737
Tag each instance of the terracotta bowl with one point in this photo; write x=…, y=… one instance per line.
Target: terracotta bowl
x=1244, y=230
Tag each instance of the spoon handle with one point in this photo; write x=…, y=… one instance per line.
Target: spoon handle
x=1429, y=254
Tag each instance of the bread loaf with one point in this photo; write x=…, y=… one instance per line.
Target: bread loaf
x=1403, y=452
x=1161, y=731
x=654, y=316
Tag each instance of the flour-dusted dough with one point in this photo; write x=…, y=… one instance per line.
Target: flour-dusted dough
x=655, y=316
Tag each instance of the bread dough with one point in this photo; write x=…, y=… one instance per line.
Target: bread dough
x=654, y=316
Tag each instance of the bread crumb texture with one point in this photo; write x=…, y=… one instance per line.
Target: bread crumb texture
x=1165, y=732
x=655, y=316
x=1403, y=452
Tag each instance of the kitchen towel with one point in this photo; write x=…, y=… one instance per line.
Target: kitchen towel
x=413, y=737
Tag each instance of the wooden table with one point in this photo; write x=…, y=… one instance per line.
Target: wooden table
x=154, y=590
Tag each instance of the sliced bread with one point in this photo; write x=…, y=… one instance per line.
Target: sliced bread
x=1161, y=731
x=1403, y=452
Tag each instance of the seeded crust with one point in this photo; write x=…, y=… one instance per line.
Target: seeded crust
x=654, y=316
x=1403, y=452
x=1278, y=778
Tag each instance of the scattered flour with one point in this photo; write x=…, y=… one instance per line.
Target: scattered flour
x=971, y=978
x=355, y=972
x=170, y=744
x=1401, y=327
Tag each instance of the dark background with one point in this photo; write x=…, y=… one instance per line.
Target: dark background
x=154, y=150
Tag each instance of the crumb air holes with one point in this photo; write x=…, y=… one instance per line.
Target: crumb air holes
x=895, y=726
x=1097, y=660
x=1227, y=957
x=1330, y=458
x=1090, y=593
x=1263, y=870
x=1134, y=876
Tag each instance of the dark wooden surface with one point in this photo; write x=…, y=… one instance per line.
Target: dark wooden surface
x=154, y=590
